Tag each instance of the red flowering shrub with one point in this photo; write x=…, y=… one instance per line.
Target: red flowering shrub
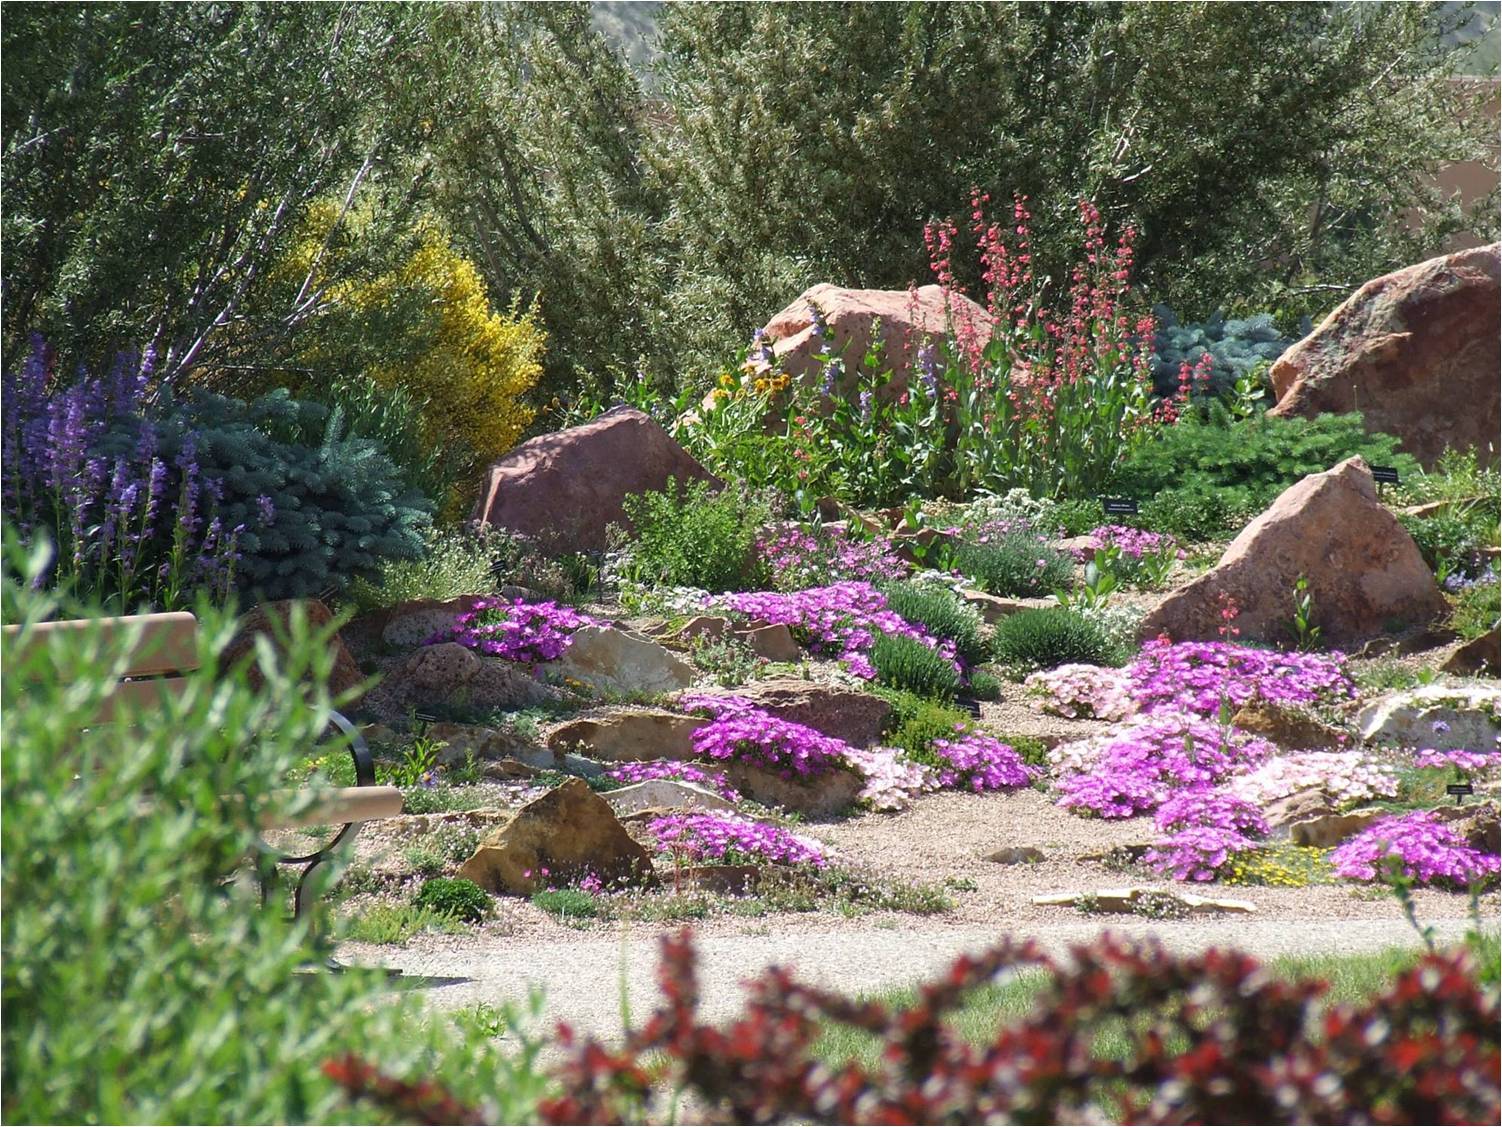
x=1210, y=1038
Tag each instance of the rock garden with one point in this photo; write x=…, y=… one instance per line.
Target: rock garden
x=864, y=563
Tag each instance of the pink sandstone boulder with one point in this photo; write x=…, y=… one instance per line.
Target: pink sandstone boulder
x=565, y=488
x=1416, y=351
x=272, y=621
x=906, y=318
x=1364, y=571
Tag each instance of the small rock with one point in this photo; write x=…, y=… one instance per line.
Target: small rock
x=1466, y=716
x=578, y=765
x=706, y=626
x=619, y=735
x=1479, y=657
x=507, y=770
x=1128, y=900
x=993, y=608
x=612, y=661
x=487, y=744
x=665, y=794
x=1288, y=728
x=439, y=670
x=1311, y=802
x=847, y=714
x=1016, y=855
x=413, y=623
x=571, y=832
x=816, y=796
x=774, y=643
x=1479, y=822
x=1326, y=830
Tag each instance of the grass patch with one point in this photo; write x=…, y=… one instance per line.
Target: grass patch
x=1352, y=979
x=397, y=923
x=440, y=800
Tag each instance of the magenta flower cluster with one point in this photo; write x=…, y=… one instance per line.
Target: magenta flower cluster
x=515, y=630
x=798, y=558
x=675, y=770
x=1135, y=543
x=841, y=620
x=1204, y=829
x=1429, y=850
x=740, y=732
x=729, y=840
x=1137, y=768
x=1467, y=762
x=978, y=762
x=1198, y=677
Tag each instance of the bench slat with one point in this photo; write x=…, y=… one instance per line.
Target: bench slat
x=335, y=807
x=168, y=642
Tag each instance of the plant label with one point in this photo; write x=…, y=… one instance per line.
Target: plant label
x=1385, y=474
x=1118, y=504
x=1460, y=790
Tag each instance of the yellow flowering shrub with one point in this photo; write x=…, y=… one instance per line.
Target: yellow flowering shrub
x=426, y=326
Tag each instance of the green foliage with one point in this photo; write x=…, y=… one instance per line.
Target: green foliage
x=393, y=924
x=1450, y=543
x=454, y=897
x=338, y=506
x=454, y=562
x=439, y=799
x=1237, y=348
x=1203, y=477
x=1476, y=610
x=984, y=685
x=1008, y=564
x=1043, y=639
x=691, y=536
x=915, y=721
x=728, y=660
x=567, y=903
x=906, y=663
x=139, y=986
x=942, y=613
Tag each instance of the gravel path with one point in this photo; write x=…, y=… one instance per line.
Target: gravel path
x=582, y=979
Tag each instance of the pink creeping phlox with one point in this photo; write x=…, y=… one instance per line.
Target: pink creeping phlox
x=729, y=839
x=1204, y=829
x=1081, y=691
x=515, y=630
x=841, y=620
x=1137, y=768
x=1198, y=677
x=978, y=762
x=799, y=559
x=1468, y=762
x=646, y=770
x=1430, y=852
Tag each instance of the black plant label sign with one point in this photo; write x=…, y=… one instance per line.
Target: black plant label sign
x=1460, y=790
x=1387, y=474
x=1119, y=504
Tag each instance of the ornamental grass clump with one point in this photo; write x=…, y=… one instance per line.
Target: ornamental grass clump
x=941, y=613
x=646, y=770
x=1204, y=677
x=515, y=629
x=1137, y=768
x=1047, y=638
x=726, y=839
x=905, y=663
x=1424, y=848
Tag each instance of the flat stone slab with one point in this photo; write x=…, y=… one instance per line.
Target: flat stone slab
x=665, y=794
x=1127, y=899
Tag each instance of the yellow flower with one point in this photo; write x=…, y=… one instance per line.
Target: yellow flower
x=727, y=380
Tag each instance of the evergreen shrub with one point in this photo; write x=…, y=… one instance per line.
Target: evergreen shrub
x=1235, y=347
x=1049, y=637
x=455, y=897
x=906, y=663
x=941, y=613
x=691, y=536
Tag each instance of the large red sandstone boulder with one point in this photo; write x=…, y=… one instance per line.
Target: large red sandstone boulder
x=1416, y=351
x=565, y=488
x=1364, y=571
x=906, y=318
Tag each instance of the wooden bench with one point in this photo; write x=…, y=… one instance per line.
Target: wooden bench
x=165, y=649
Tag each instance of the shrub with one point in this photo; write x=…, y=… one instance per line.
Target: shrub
x=1014, y=562
x=691, y=536
x=454, y=562
x=1235, y=348
x=319, y=506
x=941, y=613
x=1201, y=466
x=916, y=722
x=455, y=897
x=1049, y=637
x=568, y=903
x=1450, y=544
x=906, y=663
x=984, y=685
x=1274, y=1051
x=139, y=987
x=1478, y=607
